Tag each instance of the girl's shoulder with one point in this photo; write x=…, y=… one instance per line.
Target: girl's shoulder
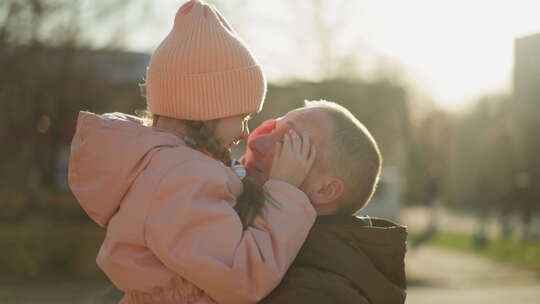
x=179, y=156
x=172, y=162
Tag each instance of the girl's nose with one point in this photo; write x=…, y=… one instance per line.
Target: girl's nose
x=245, y=132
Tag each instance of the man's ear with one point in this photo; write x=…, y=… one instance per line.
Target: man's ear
x=327, y=191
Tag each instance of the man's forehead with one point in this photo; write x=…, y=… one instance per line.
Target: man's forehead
x=303, y=119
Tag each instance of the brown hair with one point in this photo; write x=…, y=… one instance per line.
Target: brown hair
x=251, y=202
x=354, y=156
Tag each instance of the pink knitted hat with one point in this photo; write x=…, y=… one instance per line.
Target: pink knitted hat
x=203, y=70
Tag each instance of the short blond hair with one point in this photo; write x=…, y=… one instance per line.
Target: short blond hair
x=354, y=156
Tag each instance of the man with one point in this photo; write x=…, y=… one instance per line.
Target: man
x=345, y=259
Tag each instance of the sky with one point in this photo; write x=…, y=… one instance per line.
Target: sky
x=451, y=51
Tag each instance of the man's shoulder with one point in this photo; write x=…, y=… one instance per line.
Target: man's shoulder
x=346, y=259
x=304, y=284
x=360, y=228
x=344, y=220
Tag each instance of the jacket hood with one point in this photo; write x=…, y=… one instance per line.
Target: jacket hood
x=369, y=254
x=108, y=152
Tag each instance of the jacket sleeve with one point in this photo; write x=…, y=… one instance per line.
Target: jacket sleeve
x=193, y=229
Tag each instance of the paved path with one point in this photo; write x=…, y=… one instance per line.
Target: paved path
x=441, y=276
x=435, y=276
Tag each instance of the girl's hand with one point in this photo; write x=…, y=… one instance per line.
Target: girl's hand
x=293, y=158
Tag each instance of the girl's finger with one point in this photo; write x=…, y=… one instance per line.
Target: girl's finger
x=288, y=135
x=305, y=145
x=277, y=152
x=311, y=158
x=287, y=142
x=296, y=144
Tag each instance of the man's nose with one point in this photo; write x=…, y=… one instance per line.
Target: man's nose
x=261, y=144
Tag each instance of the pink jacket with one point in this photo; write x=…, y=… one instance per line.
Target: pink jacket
x=172, y=233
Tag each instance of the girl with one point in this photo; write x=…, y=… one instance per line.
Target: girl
x=165, y=191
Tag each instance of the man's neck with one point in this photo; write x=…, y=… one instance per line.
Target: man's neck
x=325, y=209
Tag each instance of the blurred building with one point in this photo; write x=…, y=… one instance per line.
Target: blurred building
x=47, y=86
x=527, y=77
x=526, y=102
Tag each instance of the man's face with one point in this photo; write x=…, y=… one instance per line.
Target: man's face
x=262, y=141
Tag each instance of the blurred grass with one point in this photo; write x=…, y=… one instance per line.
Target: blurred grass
x=51, y=291
x=42, y=250
x=514, y=251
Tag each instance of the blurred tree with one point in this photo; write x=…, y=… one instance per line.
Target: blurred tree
x=427, y=164
x=527, y=176
x=328, y=48
x=49, y=74
x=488, y=170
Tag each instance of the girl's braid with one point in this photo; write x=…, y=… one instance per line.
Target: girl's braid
x=251, y=202
x=204, y=139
